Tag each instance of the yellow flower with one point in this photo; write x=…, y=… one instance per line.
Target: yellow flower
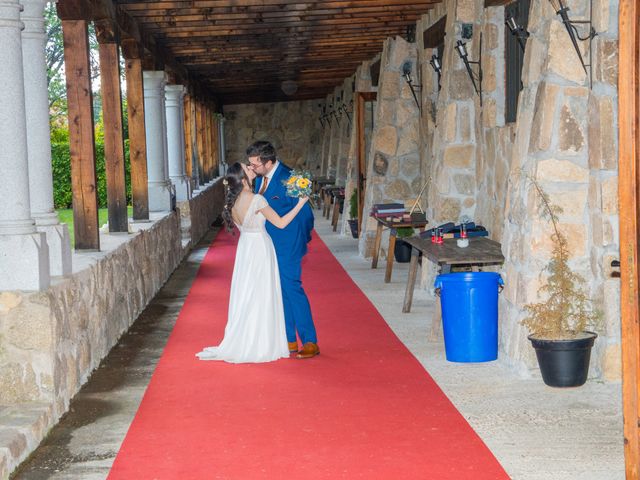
x=291, y=180
x=302, y=183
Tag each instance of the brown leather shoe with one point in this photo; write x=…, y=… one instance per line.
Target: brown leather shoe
x=293, y=347
x=309, y=350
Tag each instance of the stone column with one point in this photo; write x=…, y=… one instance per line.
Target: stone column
x=24, y=253
x=39, y=138
x=159, y=185
x=174, y=96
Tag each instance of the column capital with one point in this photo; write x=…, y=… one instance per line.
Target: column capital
x=174, y=95
x=33, y=18
x=10, y=14
x=154, y=82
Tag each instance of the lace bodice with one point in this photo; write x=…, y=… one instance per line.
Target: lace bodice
x=254, y=220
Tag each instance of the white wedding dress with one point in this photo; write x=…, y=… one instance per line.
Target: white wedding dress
x=255, y=330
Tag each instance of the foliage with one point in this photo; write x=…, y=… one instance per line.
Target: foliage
x=567, y=310
x=353, y=204
x=298, y=184
x=61, y=164
x=404, y=232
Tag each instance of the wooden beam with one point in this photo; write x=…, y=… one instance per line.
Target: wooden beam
x=81, y=135
x=200, y=140
x=113, y=136
x=188, y=147
x=137, y=135
x=434, y=35
x=629, y=210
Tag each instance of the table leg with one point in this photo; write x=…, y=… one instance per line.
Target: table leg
x=392, y=246
x=329, y=204
x=411, y=281
x=336, y=214
x=376, y=247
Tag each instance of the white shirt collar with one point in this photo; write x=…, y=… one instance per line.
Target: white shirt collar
x=273, y=170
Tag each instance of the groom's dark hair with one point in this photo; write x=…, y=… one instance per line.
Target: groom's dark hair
x=262, y=149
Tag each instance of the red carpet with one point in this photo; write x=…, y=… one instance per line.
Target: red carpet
x=364, y=408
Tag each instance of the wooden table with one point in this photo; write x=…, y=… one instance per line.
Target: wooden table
x=481, y=251
x=325, y=195
x=382, y=224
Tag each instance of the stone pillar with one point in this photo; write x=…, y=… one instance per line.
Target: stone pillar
x=174, y=96
x=159, y=185
x=24, y=253
x=39, y=138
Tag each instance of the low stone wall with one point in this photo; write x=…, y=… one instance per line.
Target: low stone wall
x=197, y=214
x=51, y=341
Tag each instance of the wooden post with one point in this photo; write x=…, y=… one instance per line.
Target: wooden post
x=113, y=136
x=208, y=143
x=629, y=203
x=81, y=135
x=361, y=98
x=200, y=140
x=188, y=167
x=137, y=136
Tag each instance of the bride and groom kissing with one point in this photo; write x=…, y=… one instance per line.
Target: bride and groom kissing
x=268, y=308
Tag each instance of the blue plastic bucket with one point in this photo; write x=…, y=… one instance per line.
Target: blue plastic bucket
x=469, y=304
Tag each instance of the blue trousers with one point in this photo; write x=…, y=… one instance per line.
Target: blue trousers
x=297, y=311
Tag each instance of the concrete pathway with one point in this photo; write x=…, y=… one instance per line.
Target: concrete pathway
x=536, y=432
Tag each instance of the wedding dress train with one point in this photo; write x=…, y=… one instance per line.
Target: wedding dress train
x=255, y=330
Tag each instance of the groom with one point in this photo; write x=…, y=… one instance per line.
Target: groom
x=290, y=244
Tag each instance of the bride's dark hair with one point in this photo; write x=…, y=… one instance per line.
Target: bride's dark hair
x=232, y=188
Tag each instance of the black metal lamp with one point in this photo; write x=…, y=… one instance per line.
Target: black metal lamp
x=561, y=10
x=406, y=73
x=435, y=64
x=476, y=79
x=517, y=31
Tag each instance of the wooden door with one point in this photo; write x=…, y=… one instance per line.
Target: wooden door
x=629, y=198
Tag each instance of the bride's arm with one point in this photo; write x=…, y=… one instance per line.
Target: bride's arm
x=281, y=222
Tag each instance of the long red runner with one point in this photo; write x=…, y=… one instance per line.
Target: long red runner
x=364, y=408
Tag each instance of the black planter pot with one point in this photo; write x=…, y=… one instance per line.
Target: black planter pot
x=353, y=225
x=402, y=251
x=564, y=363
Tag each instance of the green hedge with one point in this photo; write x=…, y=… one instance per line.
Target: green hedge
x=61, y=163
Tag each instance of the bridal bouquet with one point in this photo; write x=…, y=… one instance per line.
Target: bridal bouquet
x=298, y=184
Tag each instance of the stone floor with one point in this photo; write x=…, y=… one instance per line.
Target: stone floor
x=536, y=432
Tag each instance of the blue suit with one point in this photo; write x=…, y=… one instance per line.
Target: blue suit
x=291, y=245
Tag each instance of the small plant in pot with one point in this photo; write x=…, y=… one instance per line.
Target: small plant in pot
x=562, y=325
x=353, y=213
x=402, y=250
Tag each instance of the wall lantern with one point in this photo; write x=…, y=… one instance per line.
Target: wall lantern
x=406, y=73
x=517, y=31
x=435, y=64
x=570, y=25
x=476, y=79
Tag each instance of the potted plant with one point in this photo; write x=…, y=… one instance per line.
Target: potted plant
x=402, y=250
x=353, y=213
x=561, y=325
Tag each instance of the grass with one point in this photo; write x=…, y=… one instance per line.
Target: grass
x=66, y=216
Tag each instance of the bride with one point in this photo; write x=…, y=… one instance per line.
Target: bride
x=255, y=330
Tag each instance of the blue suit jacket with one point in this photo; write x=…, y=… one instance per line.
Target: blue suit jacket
x=291, y=240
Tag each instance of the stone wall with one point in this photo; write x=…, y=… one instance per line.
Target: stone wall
x=292, y=127
x=393, y=173
x=197, y=214
x=51, y=341
x=475, y=158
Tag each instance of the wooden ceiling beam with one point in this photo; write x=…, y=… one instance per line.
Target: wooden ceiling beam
x=285, y=5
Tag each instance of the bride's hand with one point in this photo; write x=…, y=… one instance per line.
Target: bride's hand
x=303, y=200
x=248, y=172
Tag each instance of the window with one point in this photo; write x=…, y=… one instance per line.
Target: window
x=514, y=56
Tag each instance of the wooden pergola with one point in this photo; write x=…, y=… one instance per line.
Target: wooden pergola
x=223, y=52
